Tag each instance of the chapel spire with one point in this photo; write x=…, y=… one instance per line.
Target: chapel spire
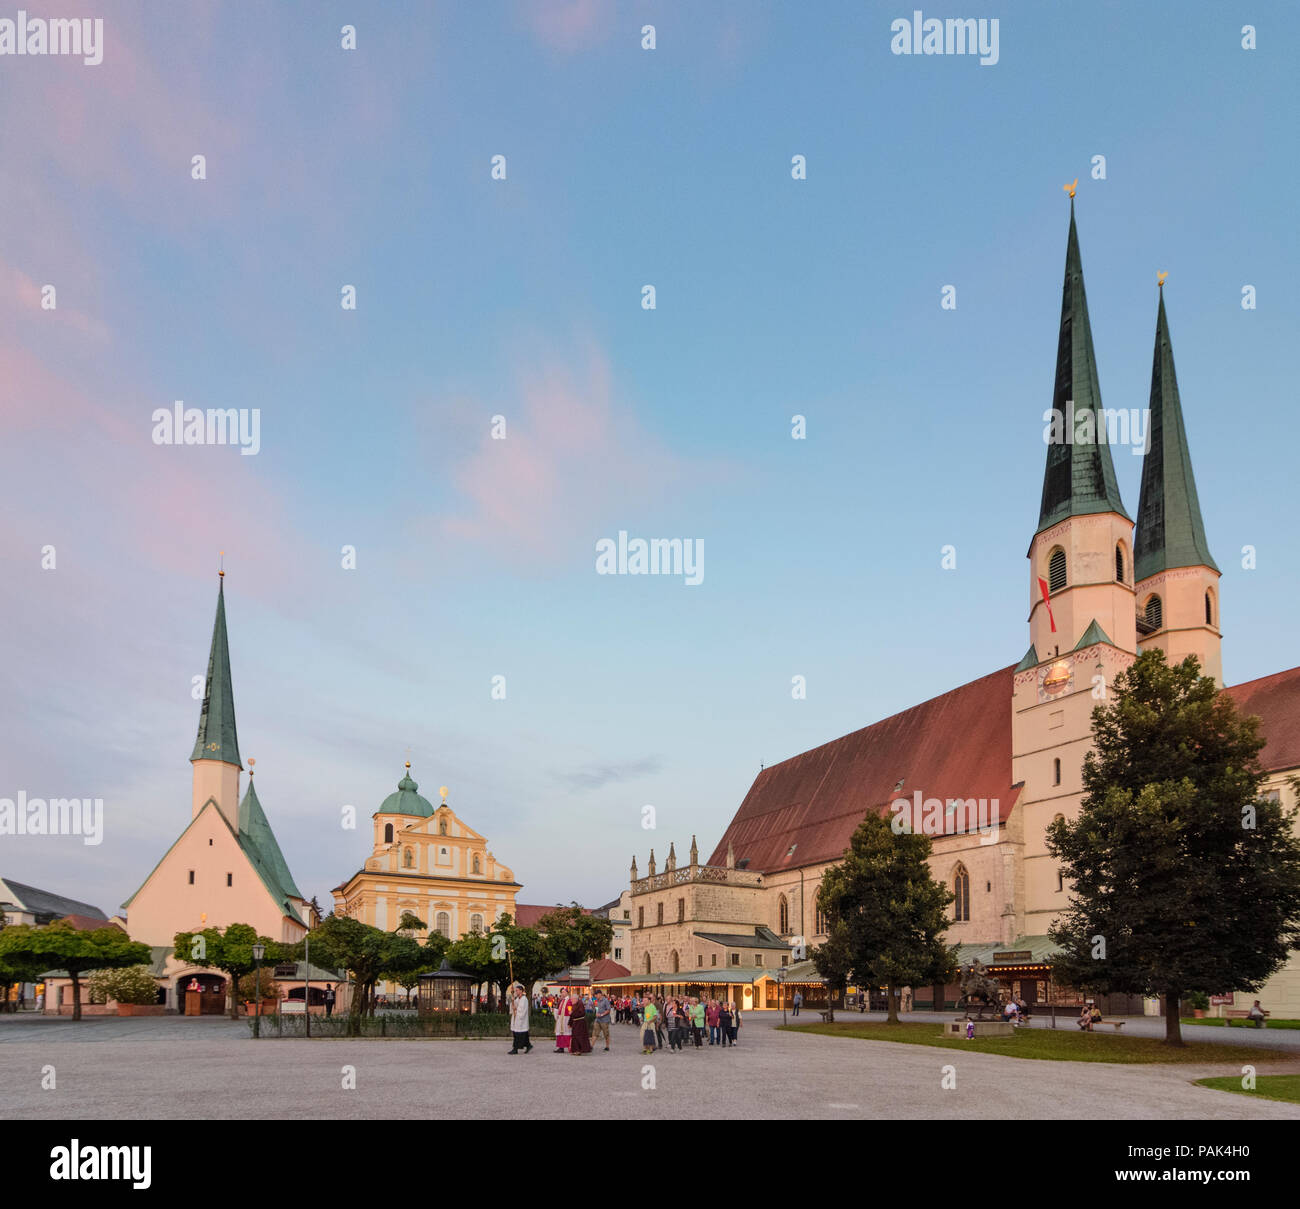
x=1170, y=531
x=216, y=738
x=1080, y=475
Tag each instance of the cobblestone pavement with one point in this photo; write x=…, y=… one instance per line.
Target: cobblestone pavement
x=172, y=1067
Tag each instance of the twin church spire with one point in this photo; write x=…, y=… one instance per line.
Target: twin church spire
x=217, y=739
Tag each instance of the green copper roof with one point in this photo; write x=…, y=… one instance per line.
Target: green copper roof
x=1170, y=531
x=255, y=833
x=217, y=739
x=1092, y=635
x=1030, y=660
x=1080, y=477
x=406, y=800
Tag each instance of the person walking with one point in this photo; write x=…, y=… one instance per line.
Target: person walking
x=798, y=1002
x=724, y=1024
x=711, y=1017
x=603, y=1009
x=329, y=1000
x=697, y=1023
x=581, y=1043
x=563, y=1036
x=519, y=1022
x=659, y=1021
x=735, y=1023
x=650, y=1014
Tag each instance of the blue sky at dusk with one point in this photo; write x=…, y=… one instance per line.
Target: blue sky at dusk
x=522, y=298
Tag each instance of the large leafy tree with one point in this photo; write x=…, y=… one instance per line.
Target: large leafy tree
x=834, y=960
x=231, y=952
x=59, y=945
x=15, y=968
x=475, y=954
x=1183, y=877
x=367, y=954
x=530, y=956
x=577, y=936
x=893, y=911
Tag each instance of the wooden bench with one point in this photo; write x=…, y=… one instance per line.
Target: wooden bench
x=826, y=1017
x=1241, y=1014
x=1116, y=1024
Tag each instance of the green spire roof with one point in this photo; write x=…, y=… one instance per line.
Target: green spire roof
x=406, y=800
x=1080, y=478
x=1030, y=660
x=1093, y=635
x=258, y=840
x=1170, y=531
x=217, y=739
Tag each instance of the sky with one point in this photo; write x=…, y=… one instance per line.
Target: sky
x=522, y=298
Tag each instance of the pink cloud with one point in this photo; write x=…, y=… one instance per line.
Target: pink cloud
x=568, y=24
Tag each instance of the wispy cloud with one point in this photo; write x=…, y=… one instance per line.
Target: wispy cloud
x=597, y=776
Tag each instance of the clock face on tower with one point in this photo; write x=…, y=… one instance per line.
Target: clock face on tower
x=1055, y=680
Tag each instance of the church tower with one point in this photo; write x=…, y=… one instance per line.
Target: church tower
x=1081, y=614
x=1177, y=580
x=216, y=749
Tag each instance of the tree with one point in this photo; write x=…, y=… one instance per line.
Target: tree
x=530, y=956
x=402, y=961
x=231, y=952
x=473, y=954
x=894, y=912
x=15, y=968
x=576, y=935
x=834, y=960
x=361, y=950
x=1183, y=877
x=59, y=945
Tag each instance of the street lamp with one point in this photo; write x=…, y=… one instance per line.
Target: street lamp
x=259, y=951
x=780, y=991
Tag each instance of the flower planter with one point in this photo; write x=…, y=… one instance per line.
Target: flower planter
x=269, y=1007
x=141, y=1009
x=1198, y=1013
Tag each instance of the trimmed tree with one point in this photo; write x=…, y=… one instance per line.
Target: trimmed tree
x=348, y=944
x=894, y=912
x=59, y=945
x=833, y=960
x=1183, y=877
x=231, y=952
x=529, y=956
x=578, y=936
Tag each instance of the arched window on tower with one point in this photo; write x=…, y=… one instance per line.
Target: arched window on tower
x=1119, y=563
x=961, y=889
x=783, y=915
x=647, y=963
x=661, y=913
x=820, y=922
x=1056, y=771
x=676, y=962
x=1155, y=613
x=1056, y=570
x=1209, y=608
x=388, y=833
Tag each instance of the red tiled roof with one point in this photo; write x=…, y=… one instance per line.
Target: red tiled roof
x=603, y=967
x=1276, y=700
x=527, y=916
x=957, y=745
x=87, y=923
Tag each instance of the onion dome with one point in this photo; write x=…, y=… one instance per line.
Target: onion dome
x=406, y=800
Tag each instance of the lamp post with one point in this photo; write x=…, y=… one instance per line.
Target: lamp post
x=306, y=986
x=780, y=991
x=259, y=951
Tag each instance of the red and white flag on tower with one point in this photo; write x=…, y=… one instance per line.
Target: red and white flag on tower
x=1042, y=587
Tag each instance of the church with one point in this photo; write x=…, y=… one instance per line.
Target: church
x=226, y=865
x=1102, y=588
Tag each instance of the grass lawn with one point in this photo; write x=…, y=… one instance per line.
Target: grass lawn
x=1269, y=1087
x=1220, y=1021
x=1053, y=1045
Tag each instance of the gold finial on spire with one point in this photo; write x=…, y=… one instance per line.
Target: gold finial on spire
x=251, y=762
x=1160, y=279
x=221, y=566
x=443, y=790
x=1071, y=187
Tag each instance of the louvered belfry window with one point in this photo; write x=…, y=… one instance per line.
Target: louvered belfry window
x=1155, y=613
x=1056, y=570
x=1119, y=564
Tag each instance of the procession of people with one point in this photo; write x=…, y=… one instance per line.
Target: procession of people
x=581, y=1019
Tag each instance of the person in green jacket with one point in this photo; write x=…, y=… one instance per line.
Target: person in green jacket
x=697, y=1023
x=650, y=1014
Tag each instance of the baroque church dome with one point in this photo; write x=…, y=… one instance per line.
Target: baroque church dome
x=406, y=800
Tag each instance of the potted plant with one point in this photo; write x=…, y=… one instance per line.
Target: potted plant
x=265, y=989
x=1198, y=1001
x=134, y=989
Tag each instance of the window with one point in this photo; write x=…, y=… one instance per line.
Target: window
x=1060, y=881
x=713, y=959
x=1119, y=564
x=660, y=917
x=785, y=959
x=647, y=963
x=627, y=914
x=408, y=859
x=230, y=879
x=961, y=888
x=388, y=833
x=444, y=856
x=758, y=959
x=618, y=954
x=819, y=922
x=1274, y=796
x=783, y=915
x=1056, y=772
x=1155, y=613
x=699, y=959
x=191, y=877
x=1056, y=570
x=476, y=923
x=675, y=962
x=444, y=924
x=640, y=917
x=1209, y=609
x=477, y=867
x=681, y=910
x=209, y=843
x=735, y=959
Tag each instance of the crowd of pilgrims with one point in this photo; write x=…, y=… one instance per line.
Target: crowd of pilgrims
x=582, y=1016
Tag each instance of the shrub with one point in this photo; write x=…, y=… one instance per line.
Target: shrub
x=248, y=986
x=131, y=984
x=1196, y=999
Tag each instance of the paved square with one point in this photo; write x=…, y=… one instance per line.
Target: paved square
x=207, y=1068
